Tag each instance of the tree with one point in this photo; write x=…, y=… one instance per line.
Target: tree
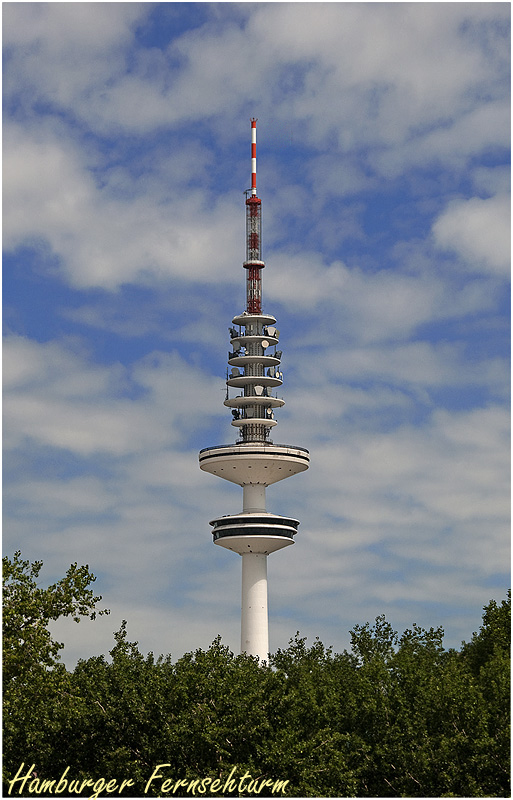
x=27, y=609
x=487, y=658
x=203, y=715
x=435, y=721
x=35, y=685
x=312, y=745
x=494, y=636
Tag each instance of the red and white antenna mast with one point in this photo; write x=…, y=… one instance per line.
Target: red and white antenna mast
x=253, y=262
x=253, y=155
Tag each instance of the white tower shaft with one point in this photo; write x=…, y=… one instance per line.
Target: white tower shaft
x=253, y=498
x=254, y=637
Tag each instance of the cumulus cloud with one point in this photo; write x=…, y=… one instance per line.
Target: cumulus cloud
x=305, y=58
x=430, y=112
x=409, y=486
x=364, y=305
x=55, y=397
x=100, y=237
x=478, y=230
x=63, y=53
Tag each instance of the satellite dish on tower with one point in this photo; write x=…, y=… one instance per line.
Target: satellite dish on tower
x=265, y=343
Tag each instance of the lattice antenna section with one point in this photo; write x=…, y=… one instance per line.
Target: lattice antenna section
x=253, y=262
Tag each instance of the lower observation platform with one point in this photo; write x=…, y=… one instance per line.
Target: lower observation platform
x=253, y=462
x=254, y=533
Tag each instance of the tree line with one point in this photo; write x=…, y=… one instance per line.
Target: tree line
x=396, y=716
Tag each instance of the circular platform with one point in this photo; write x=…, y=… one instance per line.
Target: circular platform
x=254, y=263
x=253, y=319
x=253, y=339
x=254, y=400
x=242, y=361
x=254, y=533
x=253, y=462
x=240, y=381
x=266, y=421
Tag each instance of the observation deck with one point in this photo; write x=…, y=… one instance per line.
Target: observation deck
x=254, y=462
x=254, y=533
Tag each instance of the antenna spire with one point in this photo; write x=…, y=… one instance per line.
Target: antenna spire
x=253, y=156
x=253, y=262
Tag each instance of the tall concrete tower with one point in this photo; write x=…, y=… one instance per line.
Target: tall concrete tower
x=254, y=461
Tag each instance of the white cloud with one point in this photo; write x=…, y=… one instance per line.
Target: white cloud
x=354, y=52
x=436, y=472
x=421, y=364
x=54, y=397
x=64, y=52
x=452, y=143
x=103, y=239
x=418, y=493
x=63, y=499
x=171, y=631
x=478, y=230
x=492, y=180
x=358, y=55
x=108, y=227
x=368, y=306
x=70, y=28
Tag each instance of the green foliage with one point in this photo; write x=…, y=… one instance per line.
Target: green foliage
x=493, y=638
x=37, y=699
x=27, y=609
x=397, y=716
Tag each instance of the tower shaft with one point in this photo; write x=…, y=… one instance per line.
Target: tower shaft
x=254, y=628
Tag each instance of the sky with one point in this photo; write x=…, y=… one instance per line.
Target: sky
x=383, y=169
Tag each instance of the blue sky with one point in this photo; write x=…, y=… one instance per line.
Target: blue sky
x=383, y=168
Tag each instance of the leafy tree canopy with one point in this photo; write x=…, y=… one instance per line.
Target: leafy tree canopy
x=399, y=715
x=27, y=610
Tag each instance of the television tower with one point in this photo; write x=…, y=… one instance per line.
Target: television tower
x=254, y=461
